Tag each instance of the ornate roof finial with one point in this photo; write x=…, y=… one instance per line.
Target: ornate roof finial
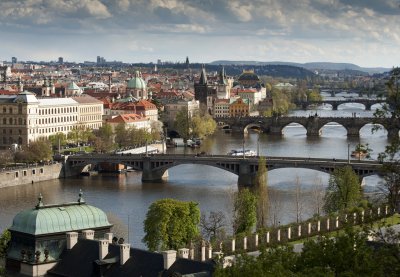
x=40, y=201
x=80, y=199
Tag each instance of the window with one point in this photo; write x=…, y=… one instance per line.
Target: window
x=4, y=121
x=24, y=172
x=33, y=171
x=41, y=171
x=20, y=108
x=10, y=110
x=16, y=174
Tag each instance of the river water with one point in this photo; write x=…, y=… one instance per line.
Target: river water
x=126, y=199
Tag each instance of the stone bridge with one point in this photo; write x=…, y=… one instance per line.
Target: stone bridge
x=336, y=103
x=313, y=124
x=154, y=168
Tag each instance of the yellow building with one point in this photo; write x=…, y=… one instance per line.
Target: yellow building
x=240, y=107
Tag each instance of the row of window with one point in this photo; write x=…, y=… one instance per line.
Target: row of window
x=90, y=109
x=24, y=173
x=14, y=121
x=11, y=110
x=58, y=110
x=10, y=131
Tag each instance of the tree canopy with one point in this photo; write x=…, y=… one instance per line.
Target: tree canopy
x=245, y=211
x=344, y=190
x=171, y=224
x=36, y=151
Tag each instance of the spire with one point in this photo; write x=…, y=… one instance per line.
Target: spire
x=222, y=76
x=203, y=76
x=187, y=62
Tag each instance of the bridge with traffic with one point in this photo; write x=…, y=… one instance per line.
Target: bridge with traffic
x=368, y=103
x=313, y=124
x=155, y=167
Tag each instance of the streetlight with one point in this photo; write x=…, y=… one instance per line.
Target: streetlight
x=348, y=153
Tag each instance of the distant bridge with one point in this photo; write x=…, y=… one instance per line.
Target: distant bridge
x=154, y=168
x=313, y=124
x=336, y=103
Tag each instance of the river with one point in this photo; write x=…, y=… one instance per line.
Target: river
x=127, y=199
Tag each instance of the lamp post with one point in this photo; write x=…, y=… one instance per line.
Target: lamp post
x=348, y=153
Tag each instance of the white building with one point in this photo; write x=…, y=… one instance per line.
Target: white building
x=171, y=109
x=129, y=121
x=25, y=118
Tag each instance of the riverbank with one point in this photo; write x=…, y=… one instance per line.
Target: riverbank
x=15, y=176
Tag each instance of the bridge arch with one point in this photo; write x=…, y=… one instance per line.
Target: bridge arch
x=361, y=105
x=256, y=126
x=367, y=129
x=291, y=125
x=330, y=124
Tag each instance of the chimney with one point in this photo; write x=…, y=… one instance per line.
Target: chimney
x=124, y=252
x=169, y=258
x=183, y=253
x=88, y=234
x=72, y=239
x=103, y=248
x=109, y=237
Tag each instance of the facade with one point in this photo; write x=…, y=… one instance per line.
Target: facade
x=129, y=121
x=172, y=108
x=203, y=89
x=253, y=95
x=90, y=111
x=221, y=108
x=249, y=79
x=73, y=89
x=25, y=118
x=240, y=107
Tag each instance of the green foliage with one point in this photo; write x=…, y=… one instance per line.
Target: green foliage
x=58, y=139
x=4, y=240
x=104, y=139
x=171, y=224
x=281, y=100
x=182, y=123
x=390, y=157
x=245, y=211
x=314, y=95
x=36, y=151
x=347, y=254
x=202, y=126
x=344, y=190
x=261, y=191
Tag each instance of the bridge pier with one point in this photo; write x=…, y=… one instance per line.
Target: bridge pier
x=335, y=106
x=353, y=132
x=275, y=130
x=150, y=175
x=393, y=133
x=247, y=174
x=367, y=106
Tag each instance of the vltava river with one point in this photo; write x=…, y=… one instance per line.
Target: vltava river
x=127, y=198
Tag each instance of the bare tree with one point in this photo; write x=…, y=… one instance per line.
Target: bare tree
x=317, y=194
x=275, y=207
x=213, y=226
x=298, y=200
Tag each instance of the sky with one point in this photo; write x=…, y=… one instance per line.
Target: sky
x=364, y=32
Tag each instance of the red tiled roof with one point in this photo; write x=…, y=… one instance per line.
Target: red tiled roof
x=127, y=118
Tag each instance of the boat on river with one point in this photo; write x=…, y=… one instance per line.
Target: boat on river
x=239, y=153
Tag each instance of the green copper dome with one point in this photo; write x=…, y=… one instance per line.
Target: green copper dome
x=137, y=82
x=47, y=219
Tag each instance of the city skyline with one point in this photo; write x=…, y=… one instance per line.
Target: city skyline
x=354, y=31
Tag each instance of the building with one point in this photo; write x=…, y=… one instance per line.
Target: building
x=38, y=235
x=130, y=121
x=203, y=90
x=221, y=108
x=240, y=107
x=25, y=118
x=249, y=79
x=72, y=89
x=74, y=240
x=136, y=87
x=90, y=111
x=171, y=109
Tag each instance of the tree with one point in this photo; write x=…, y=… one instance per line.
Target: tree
x=245, y=211
x=298, y=201
x=171, y=224
x=4, y=241
x=182, y=123
x=213, y=227
x=58, y=139
x=104, y=139
x=261, y=191
x=36, y=151
x=317, y=196
x=390, y=186
x=122, y=135
x=344, y=190
x=202, y=126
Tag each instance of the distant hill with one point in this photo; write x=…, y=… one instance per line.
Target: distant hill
x=310, y=66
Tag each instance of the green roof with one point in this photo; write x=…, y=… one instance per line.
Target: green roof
x=73, y=86
x=59, y=218
x=136, y=82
